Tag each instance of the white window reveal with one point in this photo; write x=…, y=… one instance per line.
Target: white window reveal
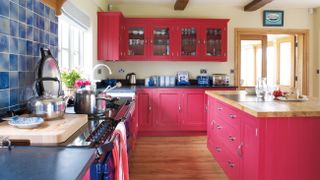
x=73, y=24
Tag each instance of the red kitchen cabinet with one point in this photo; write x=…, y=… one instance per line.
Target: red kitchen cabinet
x=194, y=110
x=161, y=39
x=145, y=109
x=109, y=35
x=168, y=113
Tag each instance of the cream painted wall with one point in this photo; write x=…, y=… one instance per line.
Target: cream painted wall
x=294, y=18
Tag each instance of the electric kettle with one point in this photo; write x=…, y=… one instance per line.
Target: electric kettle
x=131, y=78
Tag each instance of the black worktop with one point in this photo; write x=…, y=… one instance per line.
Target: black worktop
x=38, y=163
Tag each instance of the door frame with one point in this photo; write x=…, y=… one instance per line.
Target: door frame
x=265, y=31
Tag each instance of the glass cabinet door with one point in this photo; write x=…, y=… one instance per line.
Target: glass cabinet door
x=213, y=42
x=160, y=41
x=189, y=37
x=136, y=41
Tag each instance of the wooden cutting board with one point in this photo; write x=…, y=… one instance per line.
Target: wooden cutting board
x=49, y=132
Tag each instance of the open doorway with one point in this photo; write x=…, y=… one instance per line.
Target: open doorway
x=278, y=56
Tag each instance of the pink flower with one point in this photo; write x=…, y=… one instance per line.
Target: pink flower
x=79, y=83
x=87, y=83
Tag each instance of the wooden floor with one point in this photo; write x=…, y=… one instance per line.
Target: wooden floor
x=166, y=158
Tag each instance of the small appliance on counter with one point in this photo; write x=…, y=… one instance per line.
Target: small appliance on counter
x=131, y=78
x=220, y=80
x=183, y=78
x=203, y=79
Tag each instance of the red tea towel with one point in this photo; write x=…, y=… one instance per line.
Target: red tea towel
x=119, y=152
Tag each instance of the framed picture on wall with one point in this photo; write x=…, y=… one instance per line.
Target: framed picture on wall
x=273, y=18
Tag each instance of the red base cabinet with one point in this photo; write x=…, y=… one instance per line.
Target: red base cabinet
x=161, y=39
x=250, y=148
x=172, y=111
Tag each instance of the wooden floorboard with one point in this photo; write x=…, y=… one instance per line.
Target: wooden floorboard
x=176, y=158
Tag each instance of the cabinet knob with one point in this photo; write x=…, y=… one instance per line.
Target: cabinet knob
x=150, y=108
x=179, y=108
x=206, y=108
x=218, y=149
x=232, y=116
x=231, y=138
x=219, y=126
x=239, y=149
x=231, y=164
x=212, y=122
x=151, y=41
x=199, y=41
x=219, y=108
x=204, y=41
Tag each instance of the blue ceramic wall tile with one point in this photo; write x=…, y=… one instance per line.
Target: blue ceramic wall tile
x=22, y=30
x=22, y=14
x=36, y=34
x=29, y=34
x=5, y=25
x=30, y=5
x=14, y=80
x=22, y=45
x=13, y=62
x=29, y=48
x=4, y=62
x=4, y=80
x=46, y=12
x=14, y=28
x=4, y=98
x=29, y=17
x=14, y=45
x=23, y=3
x=14, y=95
x=4, y=43
x=14, y=11
x=25, y=26
x=4, y=7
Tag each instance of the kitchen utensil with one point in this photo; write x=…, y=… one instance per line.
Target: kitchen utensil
x=183, y=78
x=25, y=122
x=131, y=78
x=47, y=106
x=88, y=102
x=48, y=67
x=220, y=79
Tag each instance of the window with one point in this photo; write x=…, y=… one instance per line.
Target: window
x=71, y=37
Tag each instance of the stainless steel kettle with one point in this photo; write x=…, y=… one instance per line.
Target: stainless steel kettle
x=131, y=78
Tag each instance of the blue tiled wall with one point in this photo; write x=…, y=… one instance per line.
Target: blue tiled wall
x=25, y=26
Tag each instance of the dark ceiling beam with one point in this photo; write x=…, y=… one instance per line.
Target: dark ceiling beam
x=180, y=5
x=256, y=4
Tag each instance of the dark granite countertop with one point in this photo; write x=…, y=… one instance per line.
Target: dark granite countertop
x=132, y=89
x=38, y=163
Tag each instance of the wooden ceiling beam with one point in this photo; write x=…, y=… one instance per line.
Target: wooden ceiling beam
x=256, y=4
x=55, y=4
x=180, y=5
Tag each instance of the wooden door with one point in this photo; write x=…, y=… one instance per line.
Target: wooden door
x=168, y=110
x=161, y=41
x=248, y=150
x=214, y=41
x=135, y=40
x=145, y=110
x=193, y=110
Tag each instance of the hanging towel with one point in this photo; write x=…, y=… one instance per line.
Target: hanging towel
x=119, y=152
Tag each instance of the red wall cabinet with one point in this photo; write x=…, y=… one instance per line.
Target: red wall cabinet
x=140, y=39
x=109, y=35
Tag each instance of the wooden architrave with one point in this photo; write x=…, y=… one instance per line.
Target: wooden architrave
x=180, y=5
x=264, y=31
x=256, y=4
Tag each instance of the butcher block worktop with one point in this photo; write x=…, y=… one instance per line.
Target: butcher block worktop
x=270, y=108
x=50, y=132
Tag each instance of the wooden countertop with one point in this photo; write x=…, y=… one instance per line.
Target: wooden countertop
x=269, y=108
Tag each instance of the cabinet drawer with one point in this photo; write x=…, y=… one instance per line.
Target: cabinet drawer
x=227, y=113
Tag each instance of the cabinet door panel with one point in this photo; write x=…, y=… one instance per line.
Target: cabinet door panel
x=194, y=110
x=189, y=41
x=161, y=40
x=145, y=115
x=168, y=110
x=250, y=149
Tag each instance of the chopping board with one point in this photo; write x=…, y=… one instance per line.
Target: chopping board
x=49, y=132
